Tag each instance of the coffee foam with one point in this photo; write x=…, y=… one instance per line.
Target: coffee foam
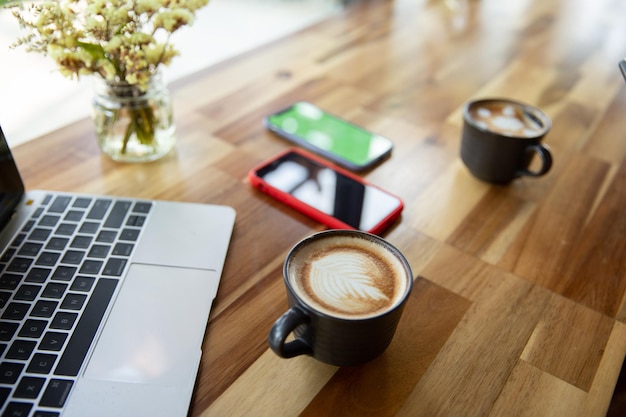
x=505, y=118
x=348, y=277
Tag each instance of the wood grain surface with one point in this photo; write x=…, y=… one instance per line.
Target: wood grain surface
x=519, y=304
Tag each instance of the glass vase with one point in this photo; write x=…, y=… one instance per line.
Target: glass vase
x=133, y=125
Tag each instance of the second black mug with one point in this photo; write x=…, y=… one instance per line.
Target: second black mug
x=500, y=138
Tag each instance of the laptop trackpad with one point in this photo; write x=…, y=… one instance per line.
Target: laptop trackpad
x=145, y=340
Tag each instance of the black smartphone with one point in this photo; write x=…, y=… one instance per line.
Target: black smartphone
x=325, y=192
x=332, y=137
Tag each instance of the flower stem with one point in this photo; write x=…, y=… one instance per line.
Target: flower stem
x=142, y=124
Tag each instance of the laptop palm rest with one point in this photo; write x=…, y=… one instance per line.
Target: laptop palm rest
x=144, y=341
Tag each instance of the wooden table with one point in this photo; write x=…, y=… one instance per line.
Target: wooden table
x=518, y=307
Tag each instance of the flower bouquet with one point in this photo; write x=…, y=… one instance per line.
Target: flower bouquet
x=123, y=42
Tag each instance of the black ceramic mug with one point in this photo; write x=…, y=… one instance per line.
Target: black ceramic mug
x=346, y=291
x=501, y=137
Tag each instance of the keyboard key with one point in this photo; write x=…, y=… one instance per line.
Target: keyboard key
x=63, y=320
x=123, y=249
x=57, y=243
x=74, y=216
x=40, y=234
x=91, y=267
x=99, y=251
x=64, y=273
x=73, y=257
x=29, y=387
x=89, y=228
x=9, y=281
x=129, y=234
x=44, y=308
x=81, y=242
x=46, y=200
x=28, y=226
x=49, y=220
x=56, y=393
x=114, y=267
x=82, y=283
x=19, y=264
x=16, y=311
x=54, y=290
x=33, y=328
x=7, y=255
x=86, y=328
x=4, y=298
x=7, y=330
x=27, y=292
x=38, y=275
x=142, y=207
x=73, y=301
x=52, y=341
x=17, y=409
x=41, y=363
x=10, y=372
x=38, y=212
x=60, y=204
x=82, y=202
x=106, y=236
x=48, y=259
x=66, y=229
x=118, y=214
x=21, y=349
x=30, y=249
x=19, y=239
x=99, y=209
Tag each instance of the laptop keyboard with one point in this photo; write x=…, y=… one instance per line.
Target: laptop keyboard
x=57, y=279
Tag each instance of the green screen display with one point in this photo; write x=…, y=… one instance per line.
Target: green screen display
x=304, y=122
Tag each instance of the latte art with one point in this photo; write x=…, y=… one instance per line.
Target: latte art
x=506, y=118
x=348, y=277
x=350, y=281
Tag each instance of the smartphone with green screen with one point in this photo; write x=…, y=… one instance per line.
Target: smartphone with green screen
x=332, y=137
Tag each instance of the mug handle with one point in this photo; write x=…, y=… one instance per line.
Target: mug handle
x=286, y=324
x=546, y=160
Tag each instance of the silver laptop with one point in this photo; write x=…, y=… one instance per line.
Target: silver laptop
x=104, y=301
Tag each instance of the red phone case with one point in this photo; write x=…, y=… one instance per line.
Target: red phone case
x=312, y=212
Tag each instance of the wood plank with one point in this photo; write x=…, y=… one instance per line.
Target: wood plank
x=379, y=387
x=298, y=379
x=595, y=275
x=562, y=214
x=604, y=143
x=577, y=336
x=452, y=196
x=532, y=392
x=492, y=225
x=504, y=313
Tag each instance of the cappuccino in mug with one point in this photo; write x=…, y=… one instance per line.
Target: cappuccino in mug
x=348, y=276
x=506, y=118
x=346, y=291
x=500, y=139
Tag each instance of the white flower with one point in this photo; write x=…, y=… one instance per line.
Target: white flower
x=121, y=40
